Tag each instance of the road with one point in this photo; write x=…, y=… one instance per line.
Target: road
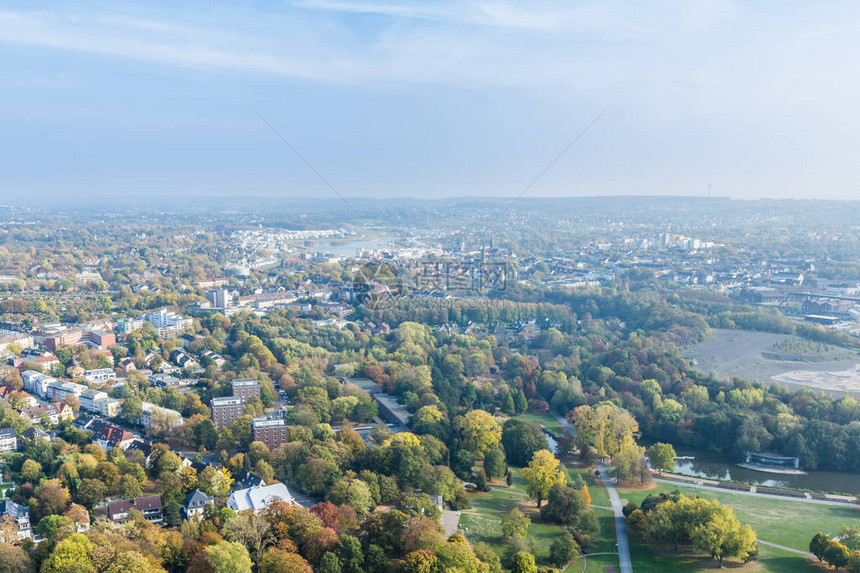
x=757, y=494
x=620, y=523
x=624, y=560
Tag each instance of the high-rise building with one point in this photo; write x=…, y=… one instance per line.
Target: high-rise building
x=272, y=432
x=225, y=410
x=245, y=388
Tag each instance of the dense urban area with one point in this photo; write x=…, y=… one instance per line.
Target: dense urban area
x=411, y=386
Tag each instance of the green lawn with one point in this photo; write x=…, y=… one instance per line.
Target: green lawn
x=648, y=560
x=482, y=523
x=786, y=522
x=546, y=420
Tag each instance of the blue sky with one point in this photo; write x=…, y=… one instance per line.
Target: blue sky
x=429, y=99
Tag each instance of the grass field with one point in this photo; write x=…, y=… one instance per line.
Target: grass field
x=785, y=522
x=648, y=560
x=482, y=523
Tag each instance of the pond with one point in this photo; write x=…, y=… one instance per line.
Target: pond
x=714, y=466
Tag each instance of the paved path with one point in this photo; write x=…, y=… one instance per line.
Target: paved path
x=620, y=524
x=757, y=494
x=450, y=521
x=784, y=548
x=564, y=423
x=512, y=492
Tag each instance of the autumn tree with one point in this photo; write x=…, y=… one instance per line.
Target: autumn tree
x=543, y=473
x=481, y=432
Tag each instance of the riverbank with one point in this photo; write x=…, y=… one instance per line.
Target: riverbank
x=772, y=469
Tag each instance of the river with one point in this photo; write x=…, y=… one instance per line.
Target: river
x=714, y=466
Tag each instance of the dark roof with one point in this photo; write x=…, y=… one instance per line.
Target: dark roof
x=142, y=504
x=34, y=432
x=9, y=507
x=196, y=499
x=6, y=433
x=249, y=480
x=139, y=445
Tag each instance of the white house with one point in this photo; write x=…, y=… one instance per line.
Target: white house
x=257, y=499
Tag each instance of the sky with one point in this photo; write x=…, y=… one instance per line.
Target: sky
x=100, y=100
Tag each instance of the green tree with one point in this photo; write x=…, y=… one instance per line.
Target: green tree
x=818, y=545
x=521, y=439
x=205, y=434
x=132, y=409
x=723, y=536
x=228, y=557
x=329, y=563
x=563, y=550
x=515, y=523
x=524, y=563
x=661, y=457
x=494, y=463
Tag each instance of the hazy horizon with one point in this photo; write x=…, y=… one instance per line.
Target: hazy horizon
x=428, y=99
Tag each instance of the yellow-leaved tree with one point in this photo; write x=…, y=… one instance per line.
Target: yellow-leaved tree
x=543, y=473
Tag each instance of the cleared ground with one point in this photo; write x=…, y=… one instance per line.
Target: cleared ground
x=767, y=357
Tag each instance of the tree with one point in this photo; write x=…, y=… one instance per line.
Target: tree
x=481, y=432
x=31, y=470
x=565, y=505
x=836, y=554
x=129, y=487
x=508, y=406
x=215, y=482
x=853, y=565
x=228, y=557
x=132, y=409
x=172, y=513
x=131, y=562
x=521, y=439
x=723, y=536
x=524, y=563
x=90, y=493
x=329, y=563
x=563, y=550
x=628, y=460
x=515, y=523
x=14, y=559
x=252, y=531
x=661, y=457
x=71, y=554
x=278, y=561
x=604, y=427
x=421, y=561
x=818, y=545
x=52, y=497
x=494, y=463
x=543, y=473
x=205, y=434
